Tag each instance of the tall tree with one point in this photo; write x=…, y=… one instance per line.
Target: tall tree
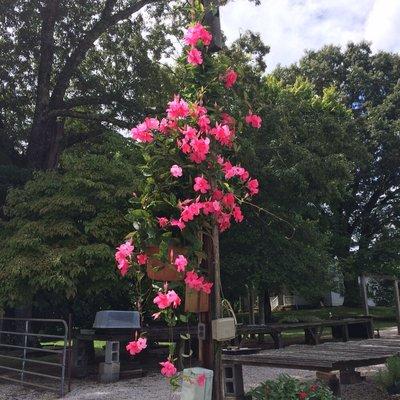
x=368, y=84
x=92, y=60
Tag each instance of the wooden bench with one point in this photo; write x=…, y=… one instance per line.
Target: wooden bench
x=323, y=358
x=312, y=330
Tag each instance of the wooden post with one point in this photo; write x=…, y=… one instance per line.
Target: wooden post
x=397, y=303
x=364, y=293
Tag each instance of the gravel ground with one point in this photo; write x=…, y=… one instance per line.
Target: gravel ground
x=153, y=386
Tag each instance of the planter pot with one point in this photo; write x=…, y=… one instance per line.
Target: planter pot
x=164, y=271
x=196, y=301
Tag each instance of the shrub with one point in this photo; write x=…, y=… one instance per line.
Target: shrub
x=389, y=378
x=288, y=388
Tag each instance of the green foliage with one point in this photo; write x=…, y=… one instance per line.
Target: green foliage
x=288, y=388
x=299, y=158
x=390, y=376
x=365, y=220
x=59, y=237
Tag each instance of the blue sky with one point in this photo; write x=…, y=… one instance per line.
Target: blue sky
x=291, y=26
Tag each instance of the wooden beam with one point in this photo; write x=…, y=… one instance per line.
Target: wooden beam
x=397, y=303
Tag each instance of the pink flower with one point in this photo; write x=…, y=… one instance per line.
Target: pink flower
x=196, y=33
x=168, y=369
x=124, y=250
x=163, y=127
x=217, y=194
x=204, y=123
x=237, y=214
x=230, y=78
x=162, y=301
x=253, y=120
x=211, y=207
x=197, y=282
x=178, y=223
x=190, y=211
x=123, y=266
x=142, y=134
x=189, y=132
x=224, y=221
x=142, y=259
x=176, y=171
x=223, y=134
x=181, y=262
x=162, y=222
x=194, y=281
x=206, y=288
x=201, y=185
x=173, y=299
x=229, y=200
x=194, y=57
x=201, y=380
x=152, y=123
x=200, y=148
x=178, y=108
x=252, y=185
x=136, y=346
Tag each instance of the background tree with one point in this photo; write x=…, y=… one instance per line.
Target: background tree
x=57, y=247
x=368, y=84
x=94, y=60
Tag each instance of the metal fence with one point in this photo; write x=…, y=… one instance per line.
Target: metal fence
x=20, y=345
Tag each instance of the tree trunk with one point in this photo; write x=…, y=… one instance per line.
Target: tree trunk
x=267, y=306
x=44, y=143
x=352, y=296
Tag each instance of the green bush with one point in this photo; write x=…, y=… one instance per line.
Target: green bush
x=288, y=388
x=390, y=376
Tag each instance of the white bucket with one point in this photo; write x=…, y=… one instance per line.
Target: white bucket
x=191, y=389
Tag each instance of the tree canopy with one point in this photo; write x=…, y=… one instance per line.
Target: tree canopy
x=362, y=219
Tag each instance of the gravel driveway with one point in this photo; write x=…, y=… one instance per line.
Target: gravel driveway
x=153, y=386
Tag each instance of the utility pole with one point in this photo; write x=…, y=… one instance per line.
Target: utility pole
x=210, y=350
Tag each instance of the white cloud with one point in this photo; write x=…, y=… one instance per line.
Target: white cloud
x=291, y=26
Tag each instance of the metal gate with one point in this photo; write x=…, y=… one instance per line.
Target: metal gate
x=20, y=346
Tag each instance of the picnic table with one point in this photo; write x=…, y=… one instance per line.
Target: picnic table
x=323, y=358
x=343, y=328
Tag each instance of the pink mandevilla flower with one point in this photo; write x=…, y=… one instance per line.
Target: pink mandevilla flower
x=178, y=223
x=196, y=33
x=178, y=108
x=136, y=346
x=123, y=266
x=237, y=214
x=200, y=149
x=152, y=123
x=162, y=222
x=168, y=369
x=201, y=185
x=181, y=262
x=173, y=298
x=194, y=57
x=230, y=78
x=162, y=301
x=253, y=120
x=252, y=185
x=142, y=259
x=176, y=171
x=142, y=134
x=197, y=282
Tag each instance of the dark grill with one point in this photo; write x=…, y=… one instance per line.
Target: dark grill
x=115, y=320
